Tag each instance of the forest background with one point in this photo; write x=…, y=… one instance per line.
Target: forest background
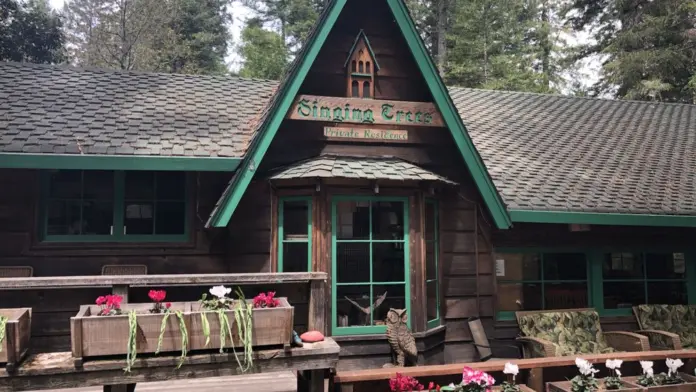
x=624, y=49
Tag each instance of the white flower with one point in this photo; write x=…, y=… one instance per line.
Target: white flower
x=618, y=372
x=647, y=368
x=220, y=291
x=585, y=367
x=613, y=363
x=673, y=365
x=511, y=368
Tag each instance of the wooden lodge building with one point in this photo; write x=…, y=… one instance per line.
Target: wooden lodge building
x=445, y=201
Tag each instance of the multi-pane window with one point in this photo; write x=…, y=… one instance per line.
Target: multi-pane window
x=94, y=206
x=631, y=279
x=370, y=262
x=432, y=263
x=538, y=281
x=295, y=234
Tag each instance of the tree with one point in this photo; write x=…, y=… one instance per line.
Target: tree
x=648, y=46
x=81, y=19
x=30, y=31
x=195, y=39
x=264, y=54
x=293, y=19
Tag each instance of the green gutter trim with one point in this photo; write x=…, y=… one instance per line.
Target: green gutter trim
x=257, y=150
x=116, y=162
x=451, y=116
x=598, y=218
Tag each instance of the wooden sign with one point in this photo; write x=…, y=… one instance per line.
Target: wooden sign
x=365, y=111
x=365, y=134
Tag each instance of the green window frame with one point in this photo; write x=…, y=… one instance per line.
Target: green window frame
x=119, y=228
x=434, y=243
x=283, y=242
x=368, y=329
x=595, y=279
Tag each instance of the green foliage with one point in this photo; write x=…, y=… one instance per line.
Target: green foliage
x=3, y=324
x=206, y=327
x=132, y=352
x=509, y=387
x=612, y=383
x=582, y=383
x=293, y=20
x=163, y=327
x=30, y=32
x=264, y=54
x=184, y=338
x=645, y=381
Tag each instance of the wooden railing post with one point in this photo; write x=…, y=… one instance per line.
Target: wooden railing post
x=317, y=306
x=122, y=290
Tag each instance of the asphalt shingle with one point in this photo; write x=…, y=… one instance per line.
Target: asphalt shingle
x=56, y=109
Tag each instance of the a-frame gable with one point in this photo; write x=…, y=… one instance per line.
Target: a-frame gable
x=289, y=89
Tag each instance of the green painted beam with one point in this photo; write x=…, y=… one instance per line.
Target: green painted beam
x=449, y=112
x=229, y=201
x=116, y=162
x=597, y=218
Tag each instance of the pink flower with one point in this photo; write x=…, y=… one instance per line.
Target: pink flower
x=168, y=305
x=101, y=300
x=157, y=295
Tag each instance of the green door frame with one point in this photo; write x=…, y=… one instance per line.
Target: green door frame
x=369, y=329
x=281, y=230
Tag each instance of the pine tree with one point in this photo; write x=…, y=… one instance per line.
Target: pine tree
x=293, y=19
x=264, y=54
x=30, y=31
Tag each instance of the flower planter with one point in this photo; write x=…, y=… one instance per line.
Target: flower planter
x=98, y=336
x=17, y=333
x=565, y=386
x=270, y=327
x=523, y=388
x=689, y=386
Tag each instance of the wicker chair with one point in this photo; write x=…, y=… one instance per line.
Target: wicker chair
x=668, y=327
x=556, y=333
x=135, y=269
x=16, y=272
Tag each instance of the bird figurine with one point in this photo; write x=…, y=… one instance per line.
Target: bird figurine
x=400, y=338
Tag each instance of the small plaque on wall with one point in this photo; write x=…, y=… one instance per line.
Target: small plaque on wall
x=500, y=267
x=365, y=134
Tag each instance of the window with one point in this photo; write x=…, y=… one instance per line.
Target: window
x=366, y=89
x=295, y=234
x=369, y=262
x=432, y=255
x=356, y=89
x=611, y=282
x=538, y=281
x=107, y=206
x=631, y=279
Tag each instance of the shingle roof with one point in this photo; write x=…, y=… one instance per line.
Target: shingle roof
x=328, y=166
x=556, y=153
x=64, y=110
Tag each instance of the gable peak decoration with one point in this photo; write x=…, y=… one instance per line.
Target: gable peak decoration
x=282, y=103
x=361, y=66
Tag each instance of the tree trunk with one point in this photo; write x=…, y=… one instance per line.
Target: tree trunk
x=545, y=41
x=441, y=50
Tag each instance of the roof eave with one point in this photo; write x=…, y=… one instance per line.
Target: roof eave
x=599, y=218
x=117, y=162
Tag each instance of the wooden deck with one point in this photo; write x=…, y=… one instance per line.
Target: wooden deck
x=57, y=370
x=266, y=382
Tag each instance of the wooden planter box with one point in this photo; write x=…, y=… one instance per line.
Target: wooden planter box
x=689, y=386
x=17, y=333
x=565, y=386
x=98, y=336
x=523, y=388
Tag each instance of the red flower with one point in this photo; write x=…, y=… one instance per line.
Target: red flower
x=168, y=305
x=266, y=300
x=400, y=383
x=157, y=295
x=101, y=300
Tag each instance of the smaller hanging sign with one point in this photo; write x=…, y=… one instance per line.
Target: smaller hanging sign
x=365, y=134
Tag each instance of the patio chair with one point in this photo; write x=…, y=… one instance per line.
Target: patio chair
x=134, y=269
x=668, y=327
x=16, y=272
x=485, y=347
x=566, y=332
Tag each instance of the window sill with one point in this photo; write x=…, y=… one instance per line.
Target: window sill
x=382, y=336
x=41, y=246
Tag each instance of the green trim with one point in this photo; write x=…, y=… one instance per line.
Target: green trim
x=595, y=218
x=369, y=47
x=367, y=329
x=116, y=162
x=595, y=281
x=118, y=223
x=284, y=100
x=432, y=323
x=361, y=74
x=281, y=230
x=451, y=116
x=286, y=96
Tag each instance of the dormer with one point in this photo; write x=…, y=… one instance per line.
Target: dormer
x=361, y=66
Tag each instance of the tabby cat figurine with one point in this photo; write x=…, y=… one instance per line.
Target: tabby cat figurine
x=400, y=338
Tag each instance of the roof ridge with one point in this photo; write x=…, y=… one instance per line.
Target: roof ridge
x=70, y=67
x=569, y=96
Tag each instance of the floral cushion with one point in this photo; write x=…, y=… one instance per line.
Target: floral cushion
x=679, y=319
x=571, y=332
